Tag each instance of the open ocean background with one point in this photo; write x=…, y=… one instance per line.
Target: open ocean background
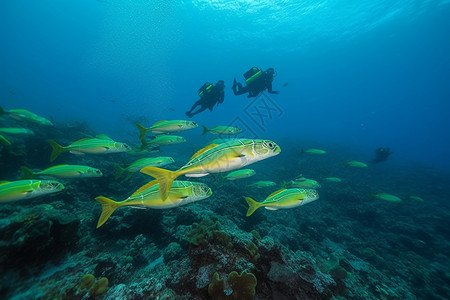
x=353, y=76
x=361, y=75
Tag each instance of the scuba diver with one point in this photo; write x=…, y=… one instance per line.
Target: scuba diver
x=381, y=154
x=209, y=96
x=256, y=82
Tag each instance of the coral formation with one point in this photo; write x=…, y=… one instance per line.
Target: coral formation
x=236, y=287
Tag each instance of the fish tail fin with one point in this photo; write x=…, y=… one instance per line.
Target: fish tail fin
x=303, y=151
x=119, y=171
x=164, y=177
x=57, y=149
x=108, y=207
x=253, y=205
x=142, y=131
x=27, y=173
x=205, y=130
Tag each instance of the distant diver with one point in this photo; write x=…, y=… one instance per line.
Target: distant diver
x=210, y=95
x=381, y=154
x=256, y=81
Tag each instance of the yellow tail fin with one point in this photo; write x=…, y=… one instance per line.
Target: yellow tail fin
x=165, y=179
x=253, y=205
x=57, y=149
x=108, y=207
x=142, y=131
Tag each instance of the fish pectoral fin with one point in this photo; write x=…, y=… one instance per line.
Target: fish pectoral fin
x=270, y=208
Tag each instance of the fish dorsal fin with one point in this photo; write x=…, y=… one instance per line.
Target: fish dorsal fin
x=159, y=122
x=145, y=186
x=103, y=137
x=3, y=182
x=276, y=192
x=199, y=152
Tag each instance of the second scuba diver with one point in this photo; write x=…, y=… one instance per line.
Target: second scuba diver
x=256, y=81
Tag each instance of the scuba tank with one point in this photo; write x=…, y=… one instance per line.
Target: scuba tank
x=205, y=89
x=252, y=74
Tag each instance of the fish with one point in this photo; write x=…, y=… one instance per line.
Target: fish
x=23, y=114
x=141, y=163
x=26, y=189
x=181, y=193
x=162, y=140
x=417, y=198
x=222, y=130
x=63, y=171
x=314, y=151
x=99, y=145
x=332, y=179
x=262, y=184
x=283, y=199
x=216, y=158
x=166, y=126
x=4, y=141
x=387, y=197
x=16, y=130
x=239, y=174
x=302, y=182
x=356, y=164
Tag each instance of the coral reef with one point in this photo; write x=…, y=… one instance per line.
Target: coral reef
x=343, y=246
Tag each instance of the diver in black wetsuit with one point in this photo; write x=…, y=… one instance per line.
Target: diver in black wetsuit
x=381, y=154
x=210, y=95
x=256, y=82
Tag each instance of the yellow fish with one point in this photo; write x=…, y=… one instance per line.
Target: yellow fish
x=182, y=193
x=283, y=199
x=216, y=158
x=99, y=145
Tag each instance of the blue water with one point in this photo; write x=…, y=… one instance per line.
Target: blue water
x=360, y=75
x=352, y=76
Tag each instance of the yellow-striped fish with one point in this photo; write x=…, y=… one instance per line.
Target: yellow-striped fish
x=166, y=126
x=182, y=193
x=63, y=171
x=216, y=158
x=239, y=174
x=99, y=145
x=283, y=199
x=26, y=189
